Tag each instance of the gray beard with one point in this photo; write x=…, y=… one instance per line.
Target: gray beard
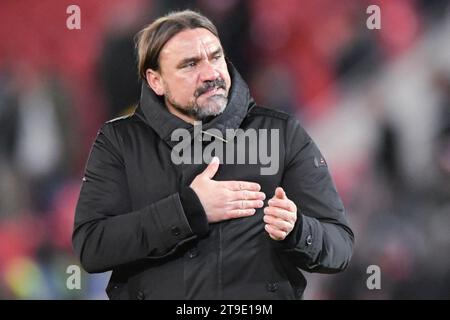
x=214, y=106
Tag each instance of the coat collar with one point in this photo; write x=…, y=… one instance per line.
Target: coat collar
x=153, y=112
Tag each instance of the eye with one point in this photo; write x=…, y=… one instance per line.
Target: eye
x=190, y=64
x=217, y=57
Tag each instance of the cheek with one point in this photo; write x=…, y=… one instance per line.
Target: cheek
x=225, y=76
x=228, y=82
x=181, y=88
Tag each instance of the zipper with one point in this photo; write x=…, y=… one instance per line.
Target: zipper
x=220, y=262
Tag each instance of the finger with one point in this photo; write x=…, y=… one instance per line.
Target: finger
x=248, y=195
x=285, y=204
x=239, y=213
x=246, y=204
x=275, y=233
x=281, y=225
x=212, y=168
x=242, y=185
x=281, y=214
x=279, y=193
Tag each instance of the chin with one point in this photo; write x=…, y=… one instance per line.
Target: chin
x=216, y=106
x=216, y=110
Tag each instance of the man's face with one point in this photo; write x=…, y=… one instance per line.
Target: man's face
x=193, y=75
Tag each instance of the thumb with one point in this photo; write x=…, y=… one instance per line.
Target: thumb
x=279, y=193
x=212, y=168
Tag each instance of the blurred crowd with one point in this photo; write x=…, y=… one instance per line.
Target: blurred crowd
x=377, y=102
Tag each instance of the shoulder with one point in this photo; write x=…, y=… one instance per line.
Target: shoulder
x=277, y=118
x=121, y=121
x=295, y=135
x=115, y=130
x=262, y=111
x=119, y=124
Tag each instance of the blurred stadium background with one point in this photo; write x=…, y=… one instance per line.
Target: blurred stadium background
x=377, y=102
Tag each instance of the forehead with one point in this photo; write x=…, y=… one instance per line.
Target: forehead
x=190, y=42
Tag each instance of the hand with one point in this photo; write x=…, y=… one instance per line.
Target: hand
x=280, y=216
x=223, y=200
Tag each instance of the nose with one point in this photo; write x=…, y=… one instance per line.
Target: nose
x=208, y=72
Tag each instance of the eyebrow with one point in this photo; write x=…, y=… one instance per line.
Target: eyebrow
x=185, y=61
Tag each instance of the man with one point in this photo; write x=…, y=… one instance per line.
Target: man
x=187, y=230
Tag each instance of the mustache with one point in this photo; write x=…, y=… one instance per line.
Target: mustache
x=218, y=83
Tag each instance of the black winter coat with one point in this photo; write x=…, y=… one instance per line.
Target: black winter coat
x=137, y=216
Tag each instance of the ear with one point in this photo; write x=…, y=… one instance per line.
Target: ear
x=155, y=82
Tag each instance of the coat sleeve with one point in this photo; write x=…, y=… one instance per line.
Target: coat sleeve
x=321, y=240
x=107, y=233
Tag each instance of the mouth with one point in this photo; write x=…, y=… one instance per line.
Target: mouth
x=212, y=92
